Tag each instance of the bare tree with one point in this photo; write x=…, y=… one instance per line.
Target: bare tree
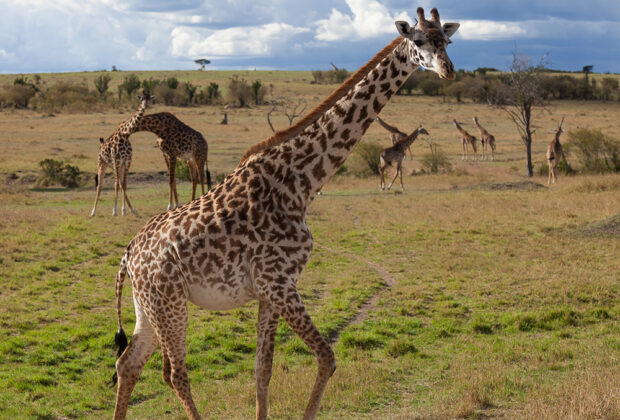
x=520, y=94
x=292, y=109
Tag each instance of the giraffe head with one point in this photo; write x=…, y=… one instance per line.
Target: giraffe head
x=559, y=130
x=146, y=97
x=428, y=42
x=422, y=130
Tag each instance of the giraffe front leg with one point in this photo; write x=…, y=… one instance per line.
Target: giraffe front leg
x=125, y=196
x=263, y=362
x=98, y=182
x=294, y=313
x=116, y=188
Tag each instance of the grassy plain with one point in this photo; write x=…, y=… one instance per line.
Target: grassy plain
x=492, y=294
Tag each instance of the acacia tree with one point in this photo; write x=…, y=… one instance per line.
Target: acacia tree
x=520, y=93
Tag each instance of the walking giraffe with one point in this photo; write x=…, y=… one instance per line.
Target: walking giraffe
x=178, y=140
x=395, y=134
x=396, y=154
x=116, y=152
x=555, y=153
x=247, y=239
x=466, y=139
x=486, y=139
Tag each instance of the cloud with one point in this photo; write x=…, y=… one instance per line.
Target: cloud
x=245, y=41
x=489, y=30
x=369, y=19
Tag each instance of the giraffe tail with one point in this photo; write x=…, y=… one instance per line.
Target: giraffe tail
x=208, y=179
x=120, y=339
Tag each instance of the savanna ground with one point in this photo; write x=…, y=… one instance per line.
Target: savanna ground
x=480, y=293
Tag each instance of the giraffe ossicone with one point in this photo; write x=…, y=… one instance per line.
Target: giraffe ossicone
x=247, y=239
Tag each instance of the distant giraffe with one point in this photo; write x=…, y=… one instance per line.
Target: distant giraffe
x=466, y=139
x=486, y=139
x=555, y=154
x=395, y=134
x=396, y=154
x=116, y=152
x=178, y=140
x=247, y=239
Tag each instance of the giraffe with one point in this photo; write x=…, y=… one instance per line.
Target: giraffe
x=116, y=152
x=466, y=139
x=396, y=154
x=247, y=238
x=555, y=153
x=486, y=139
x=176, y=139
x=395, y=134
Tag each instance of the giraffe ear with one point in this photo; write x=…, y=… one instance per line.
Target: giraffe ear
x=404, y=29
x=450, y=28
x=139, y=97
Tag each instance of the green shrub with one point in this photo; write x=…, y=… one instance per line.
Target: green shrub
x=370, y=154
x=400, y=347
x=72, y=97
x=16, y=96
x=181, y=171
x=130, y=84
x=239, y=91
x=102, y=83
x=436, y=160
x=58, y=172
x=597, y=152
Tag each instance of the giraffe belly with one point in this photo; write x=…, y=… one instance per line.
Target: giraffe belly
x=218, y=296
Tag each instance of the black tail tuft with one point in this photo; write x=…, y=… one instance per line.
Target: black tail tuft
x=96, y=180
x=121, y=341
x=208, y=180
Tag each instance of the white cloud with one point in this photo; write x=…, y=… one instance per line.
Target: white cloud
x=489, y=30
x=370, y=19
x=249, y=41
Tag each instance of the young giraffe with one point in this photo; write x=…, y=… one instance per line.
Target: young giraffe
x=396, y=154
x=395, y=134
x=467, y=139
x=555, y=153
x=177, y=140
x=116, y=152
x=486, y=139
x=247, y=238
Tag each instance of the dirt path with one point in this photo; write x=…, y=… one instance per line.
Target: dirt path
x=387, y=281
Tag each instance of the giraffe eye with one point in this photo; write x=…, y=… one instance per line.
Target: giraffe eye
x=418, y=42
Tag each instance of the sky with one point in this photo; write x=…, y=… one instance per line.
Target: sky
x=42, y=36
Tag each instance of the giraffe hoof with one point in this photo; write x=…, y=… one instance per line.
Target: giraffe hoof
x=92, y=213
x=114, y=212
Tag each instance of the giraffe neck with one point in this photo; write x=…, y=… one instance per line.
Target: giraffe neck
x=408, y=141
x=461, y=130
x=129, y=126
x=316, y=153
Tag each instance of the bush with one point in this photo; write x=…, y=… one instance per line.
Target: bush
x=597, y=152
x=58, y=172
x=181, y=171
x=370, y=154
x=130, y=84
x=17, y=96
x=239, y=91
x=436, y=161
x=330, y=76
x=66, y=96
x=102, y=83
x=258, y=93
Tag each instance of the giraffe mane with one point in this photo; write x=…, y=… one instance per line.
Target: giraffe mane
x=290, y=132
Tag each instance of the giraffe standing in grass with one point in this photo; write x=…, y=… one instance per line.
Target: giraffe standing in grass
x=395, y=134
x=116, y=152
x=555, y=154
x=247, y=238
x=393, y=156
x=467, y=140
x=486, y=139
x=177, y=140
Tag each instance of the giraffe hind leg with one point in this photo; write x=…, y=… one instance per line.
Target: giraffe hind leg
x=99, y=181
x=263, y=362
x=130, y=364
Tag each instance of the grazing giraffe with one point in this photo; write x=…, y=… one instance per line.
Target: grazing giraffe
x=486, y=139
x=395, y=134
x=116, y=152
x=396, y=154
x=555, y=153
x=466, y=139
x=247, y=238
x=177, y=140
